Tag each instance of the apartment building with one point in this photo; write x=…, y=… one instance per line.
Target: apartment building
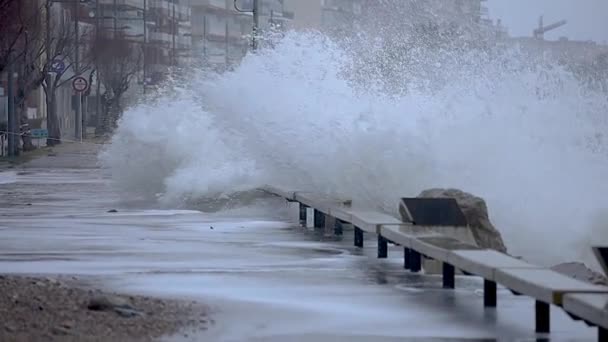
x=221, y=34
x=162, y=27
x=325, y=15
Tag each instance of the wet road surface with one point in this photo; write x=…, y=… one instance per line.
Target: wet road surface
x=265, y=278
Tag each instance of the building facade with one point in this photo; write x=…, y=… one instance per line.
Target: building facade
x=221, y=33
x=325, y=15
x=162, y=27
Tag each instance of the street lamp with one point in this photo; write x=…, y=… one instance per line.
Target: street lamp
x=256, y=20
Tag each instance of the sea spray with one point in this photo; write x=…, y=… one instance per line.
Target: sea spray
x=523, y=135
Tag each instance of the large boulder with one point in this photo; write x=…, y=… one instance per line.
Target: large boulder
x=476, y=212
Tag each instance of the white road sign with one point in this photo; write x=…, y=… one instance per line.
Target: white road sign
x=80, y=84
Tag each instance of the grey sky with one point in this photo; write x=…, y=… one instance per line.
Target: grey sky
x=587, y=19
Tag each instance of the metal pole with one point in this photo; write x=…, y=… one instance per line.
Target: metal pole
x=48, y=78
x=173, y=37
x=98, y=88
x=256, y=23
x=78, y=117
x=12, y=149
x=145, y=46
x=115, y=11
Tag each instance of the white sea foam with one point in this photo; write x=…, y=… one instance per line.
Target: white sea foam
x=526, y=137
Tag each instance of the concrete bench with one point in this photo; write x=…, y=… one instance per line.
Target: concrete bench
x=322, y=206
x=592, y=308
x=281, y=192
x=404, y=233
x=342, y=213
x=371, y=222
x=439, y=248
x=546, y=286
x=484, y=263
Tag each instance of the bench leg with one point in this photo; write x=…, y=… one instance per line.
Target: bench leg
x=303, y=214
x=489, y=293
x=358, y=237
x=406, y=258
x=415, y=261
x=543, y=317
x=382, y=247
x=449, y=278
x=602, y=334
x=319, y=219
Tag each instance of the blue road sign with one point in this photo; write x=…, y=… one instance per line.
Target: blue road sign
x=57, y=66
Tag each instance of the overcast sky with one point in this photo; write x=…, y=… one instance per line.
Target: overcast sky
x=587, y=19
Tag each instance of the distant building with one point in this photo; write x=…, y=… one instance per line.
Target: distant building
x=562, y=50
x=163, y=27
x=221, y=35
x=325, y=15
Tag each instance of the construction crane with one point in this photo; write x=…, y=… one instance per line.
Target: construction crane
x=539, y=33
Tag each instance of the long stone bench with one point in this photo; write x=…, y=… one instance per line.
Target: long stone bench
x=546, y=287
x=583, y=300
x=592, y=308
x=439, y=248
x=485, y=263
x=278, y=191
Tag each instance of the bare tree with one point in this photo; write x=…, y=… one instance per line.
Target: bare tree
x=31, y=49
x=21, y=46
x=118, y=63
x=11, y=30
x=60, y=46
x=32, y=40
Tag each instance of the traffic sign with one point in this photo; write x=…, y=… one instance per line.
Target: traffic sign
x=57, y=66
x=80, y=84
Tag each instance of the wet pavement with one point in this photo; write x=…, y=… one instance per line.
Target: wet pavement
x=265, y=278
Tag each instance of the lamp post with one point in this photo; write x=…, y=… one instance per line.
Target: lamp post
x=12, y=120
x=256, y=20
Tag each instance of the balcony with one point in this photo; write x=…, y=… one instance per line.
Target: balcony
x=220, y=4
x=124, y=4
x=160, y=37
x=167, y=7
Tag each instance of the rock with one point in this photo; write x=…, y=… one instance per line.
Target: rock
x=107, y=303
x=60, y=331
x=581, y=272
x=476, y=212
x=128, y=312
x=67, y=324
x=112, y=211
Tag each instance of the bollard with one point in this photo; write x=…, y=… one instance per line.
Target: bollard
x=489, y=293
x=319, y=219
x=448, y=276
x=406, y=258
x=303, y=214
x=358, y=237
x=382, y=247
x=543, y=317
x=415, y=261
